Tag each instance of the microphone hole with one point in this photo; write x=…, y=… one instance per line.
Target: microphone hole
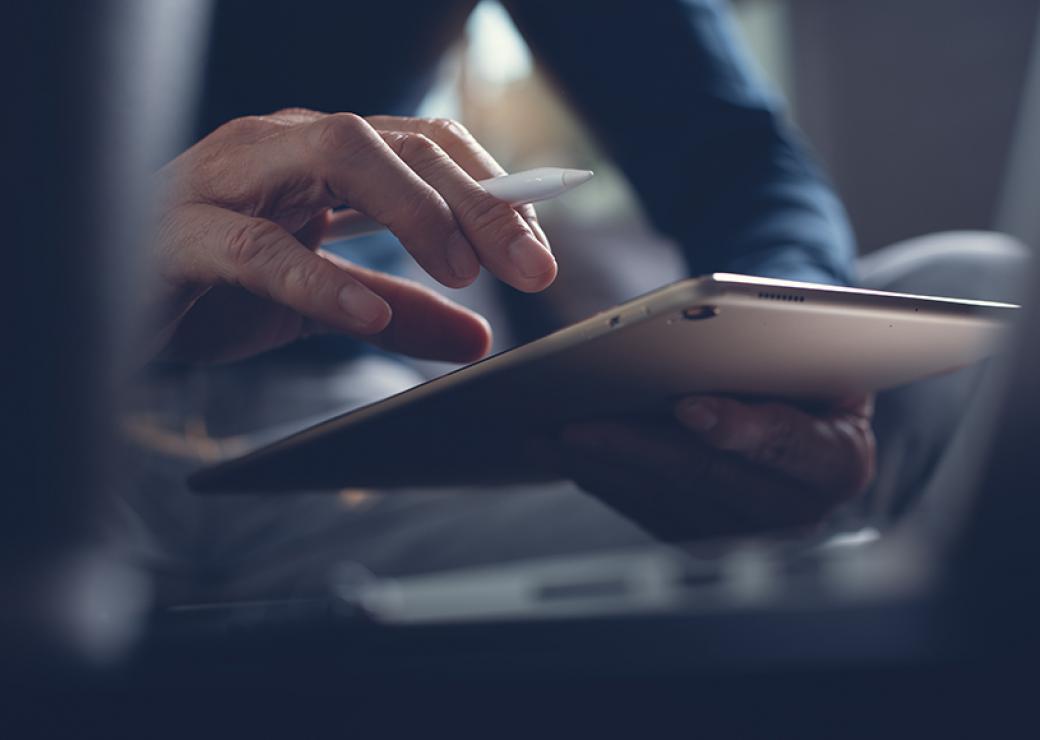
x=699, y=313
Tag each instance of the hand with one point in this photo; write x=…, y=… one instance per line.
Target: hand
x=247, y=207
x=726, y=467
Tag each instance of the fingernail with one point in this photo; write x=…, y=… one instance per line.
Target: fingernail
x=461, y=259
x=698, y=416
x=364, y=305
x=530, y=256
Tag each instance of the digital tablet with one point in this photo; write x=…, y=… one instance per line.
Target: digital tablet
x=726, y=334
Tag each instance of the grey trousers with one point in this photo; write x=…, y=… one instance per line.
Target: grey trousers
x=258, y=547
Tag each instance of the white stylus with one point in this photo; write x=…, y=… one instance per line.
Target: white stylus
x=529, y=186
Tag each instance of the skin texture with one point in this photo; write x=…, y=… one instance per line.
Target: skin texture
x=724, y=466
x=247, y=207
x=241, y=272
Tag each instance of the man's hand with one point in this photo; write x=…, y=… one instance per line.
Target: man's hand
x=726, y=467
x=247, y=207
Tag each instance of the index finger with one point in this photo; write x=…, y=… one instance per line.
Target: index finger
x=459, y=144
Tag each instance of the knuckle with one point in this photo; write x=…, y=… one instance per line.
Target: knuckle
x=395, y=140
x=296, y=112
x=417, y=148
x=341, y=131
x=249, y=241
x=246, y=127
x=301, y=276
x=488, y=215
x=426, y=207
x=429, y=214
x=447, y=128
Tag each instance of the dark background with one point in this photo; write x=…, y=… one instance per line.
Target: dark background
x=912, y=105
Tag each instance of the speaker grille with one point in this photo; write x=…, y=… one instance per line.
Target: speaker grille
x=781, y=297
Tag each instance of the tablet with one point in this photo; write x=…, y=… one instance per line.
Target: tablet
x=727, y=334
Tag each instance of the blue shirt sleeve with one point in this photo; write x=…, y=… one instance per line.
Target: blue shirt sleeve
x=666, y=86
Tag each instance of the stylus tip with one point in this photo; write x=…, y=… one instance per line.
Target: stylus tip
x=574, y=178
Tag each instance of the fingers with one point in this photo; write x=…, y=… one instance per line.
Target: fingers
x=235, y=200
x=293, y=164
x=396, y=314
x=502, y=240
x=340, y=159
x=450, y=136
x=424, y=323
x=260, y=256
x=405, y=181
x=833, y=452
x=463, y=148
